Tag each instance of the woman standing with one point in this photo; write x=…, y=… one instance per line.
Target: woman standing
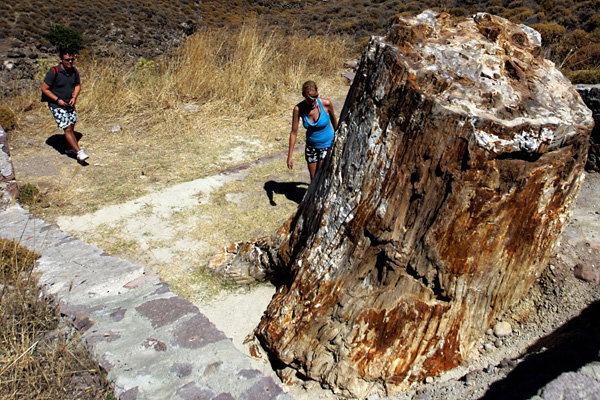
x=317, y=117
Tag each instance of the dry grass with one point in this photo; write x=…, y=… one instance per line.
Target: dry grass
x=225, y=99
x=40, y=357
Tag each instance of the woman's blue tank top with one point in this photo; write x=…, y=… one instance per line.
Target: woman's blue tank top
x=319, y=134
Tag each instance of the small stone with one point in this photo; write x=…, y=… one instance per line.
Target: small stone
x=489, y=332
x=15, y=53
x=490, y=368
x=502, y=329
x=154, y=344
x=191, y=108
x=351, y=63
x=429, y=379
x=489, y=346
x=116, y=128
x=587, y=273
x=498, y=343
x=278, y=138
x=470, y=378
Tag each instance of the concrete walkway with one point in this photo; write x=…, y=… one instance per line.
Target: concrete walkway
x=153, y=343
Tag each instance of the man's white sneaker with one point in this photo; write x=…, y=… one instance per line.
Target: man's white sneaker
x=81, y=155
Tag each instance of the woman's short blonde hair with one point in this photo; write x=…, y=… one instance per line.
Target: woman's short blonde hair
x=309, y=86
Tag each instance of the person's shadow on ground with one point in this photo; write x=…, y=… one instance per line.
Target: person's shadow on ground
x=293, y=191
x=59, y=143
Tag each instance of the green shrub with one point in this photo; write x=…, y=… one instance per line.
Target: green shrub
x=8, y=119
x=588, y=77
x=65, y=38
x=29, y=194
x=551, y=32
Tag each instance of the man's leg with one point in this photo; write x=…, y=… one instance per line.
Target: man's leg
x=70, y=137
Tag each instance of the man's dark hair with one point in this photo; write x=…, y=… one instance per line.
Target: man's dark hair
x=62, y=52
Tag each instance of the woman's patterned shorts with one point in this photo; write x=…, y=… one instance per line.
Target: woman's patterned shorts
x=313, y=155
x=64, y=118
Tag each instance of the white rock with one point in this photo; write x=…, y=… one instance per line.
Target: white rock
x=191, y=108
x=502, y=329
x=116, y=128
x=591, y=370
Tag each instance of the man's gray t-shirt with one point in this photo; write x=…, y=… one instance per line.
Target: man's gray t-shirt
x=62, y=84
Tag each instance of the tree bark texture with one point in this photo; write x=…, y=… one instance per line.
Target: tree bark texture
x=459, y=153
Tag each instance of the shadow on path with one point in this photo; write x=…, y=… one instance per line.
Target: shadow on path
x=291, y=190
x=568, y=348
x=59, y=143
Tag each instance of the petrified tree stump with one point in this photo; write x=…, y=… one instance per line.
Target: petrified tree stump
x=459, y=153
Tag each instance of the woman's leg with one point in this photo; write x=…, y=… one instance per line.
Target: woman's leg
x=312, y=169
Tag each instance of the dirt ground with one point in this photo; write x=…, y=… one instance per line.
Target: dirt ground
x=174, y=229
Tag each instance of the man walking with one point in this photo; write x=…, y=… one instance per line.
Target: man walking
x=60, y=89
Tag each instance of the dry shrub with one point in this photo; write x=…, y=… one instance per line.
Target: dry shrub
x=584, y=76
x=551, y=32
x=252, y=67
x=586, y=58
x=8, y=118
x=230, y=72
x=39, y=358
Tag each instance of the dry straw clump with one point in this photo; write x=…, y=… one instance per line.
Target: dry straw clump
x=40, y=357
x=243, y=72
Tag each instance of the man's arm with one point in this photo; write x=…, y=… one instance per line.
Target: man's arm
x=76, y=91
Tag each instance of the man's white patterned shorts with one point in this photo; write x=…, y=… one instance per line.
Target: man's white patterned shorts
x=63, y=117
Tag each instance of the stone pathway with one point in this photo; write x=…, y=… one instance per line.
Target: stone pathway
x=153, y=343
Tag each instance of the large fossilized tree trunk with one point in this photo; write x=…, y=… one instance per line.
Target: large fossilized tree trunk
x=459, y=153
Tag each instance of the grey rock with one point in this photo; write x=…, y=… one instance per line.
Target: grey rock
x=587, y=273
x=571, y=386
x=15, y=53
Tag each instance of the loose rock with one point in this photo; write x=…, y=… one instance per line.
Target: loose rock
x=502, y=329
x=587, y=273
